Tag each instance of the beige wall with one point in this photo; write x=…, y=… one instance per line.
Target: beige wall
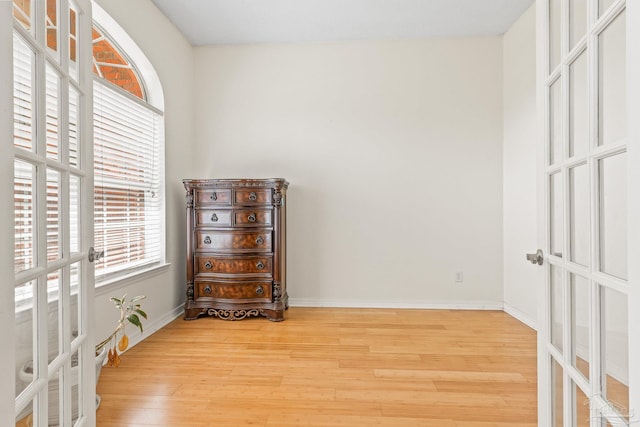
x=519, y=163
x=394, y=154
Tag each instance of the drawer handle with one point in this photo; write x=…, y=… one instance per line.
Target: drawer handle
x=259, y=290
x=207, y=290
x=252, y=196
x=208, y=265
x=214, y=218
x=207, y=240
x=252, y=217
x=259, y=240
x=214, y=196
x=260, y=265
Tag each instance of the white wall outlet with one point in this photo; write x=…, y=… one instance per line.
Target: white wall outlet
x=459, y=277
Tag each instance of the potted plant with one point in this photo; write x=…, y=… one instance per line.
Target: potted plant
x=130, y=312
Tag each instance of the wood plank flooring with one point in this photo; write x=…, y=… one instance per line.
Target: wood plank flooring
x=329, y=367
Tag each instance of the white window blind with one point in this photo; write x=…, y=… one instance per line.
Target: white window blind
x=128, y=183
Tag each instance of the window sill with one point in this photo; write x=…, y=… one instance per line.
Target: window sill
x=107, y=286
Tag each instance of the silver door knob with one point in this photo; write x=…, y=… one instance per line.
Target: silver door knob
x=537, y=258
x=95, y=255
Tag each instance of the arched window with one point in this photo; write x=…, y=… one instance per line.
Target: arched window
x=128, y=155
x=128, y=141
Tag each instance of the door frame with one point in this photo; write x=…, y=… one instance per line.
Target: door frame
x=633, y=153
x=633, y=216
x=86, y=293
x=7, y=305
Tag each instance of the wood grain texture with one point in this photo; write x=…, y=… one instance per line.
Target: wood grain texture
x=260, y=266
x=236, y=231
x=329, y=367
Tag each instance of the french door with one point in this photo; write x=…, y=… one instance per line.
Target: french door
x=53, y=199
x=588, y=375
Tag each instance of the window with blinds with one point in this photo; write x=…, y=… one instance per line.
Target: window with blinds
x=128, y=182
x=128, y=163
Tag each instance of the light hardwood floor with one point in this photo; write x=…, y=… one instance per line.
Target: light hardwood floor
x=329, y=367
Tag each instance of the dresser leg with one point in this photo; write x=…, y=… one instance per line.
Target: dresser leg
x=192, y=313
x=274, y=315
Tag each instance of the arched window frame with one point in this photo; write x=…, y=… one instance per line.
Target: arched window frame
x=154, y=103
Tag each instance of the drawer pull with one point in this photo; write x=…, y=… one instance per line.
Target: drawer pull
x=252, y=196
x=260, y=265
x=214, y=218
x=207, y=240
x=252, y=217
x=259, y=240
x=207, y=290
x=259, y=290
x=208, y=265
x=214, y=196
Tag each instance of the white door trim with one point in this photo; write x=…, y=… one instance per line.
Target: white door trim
x=633, y=153
x=7, y=305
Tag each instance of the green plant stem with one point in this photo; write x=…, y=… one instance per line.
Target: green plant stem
x=109, y=338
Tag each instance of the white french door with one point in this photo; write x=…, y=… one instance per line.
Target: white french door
x=53, y=200
x=588, y=375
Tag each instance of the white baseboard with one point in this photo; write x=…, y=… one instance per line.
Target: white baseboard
x=519, y=315
x=156, y=325
x=425, y=305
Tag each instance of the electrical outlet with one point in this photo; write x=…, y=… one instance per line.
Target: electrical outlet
x=459, y=277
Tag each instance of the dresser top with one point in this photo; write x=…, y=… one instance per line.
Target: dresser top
x=280, y=183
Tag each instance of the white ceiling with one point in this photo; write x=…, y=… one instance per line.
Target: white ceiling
x=206, y=22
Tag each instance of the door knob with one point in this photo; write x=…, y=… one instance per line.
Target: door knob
x=536, y=258
x=95, y=255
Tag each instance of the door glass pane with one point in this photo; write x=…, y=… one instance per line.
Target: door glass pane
x=615, y=347
x=51, y=24
x=54, y=319
x=56, y=400
x=604, y=5
x=577, y=21
x=557, y=304
x=23, y=210
x=556, y=214
x=579, y=214
x=578, y=107
x=24, y=330
x=75, y=394
x=73, y=45
x=612, y=185
x=555, y=123
x=74, y=102
x=25, y=417
x=612, y=86
x=74, y=213
x=54, y=220
x=554, y=34
x=74, y=309
x=580, y=324
x=22, y=12
x=23, y=117
x=556, y=393
x=53, y=96
x=581, y=411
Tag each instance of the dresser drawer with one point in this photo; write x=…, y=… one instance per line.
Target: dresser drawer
x=259, y=240
x=235, y=291
x=252, y=218
x=252, y=197
x=254, y=265
x=213, y=218
x=213, y=197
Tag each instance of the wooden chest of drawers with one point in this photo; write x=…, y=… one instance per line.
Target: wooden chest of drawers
x=236, y=248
